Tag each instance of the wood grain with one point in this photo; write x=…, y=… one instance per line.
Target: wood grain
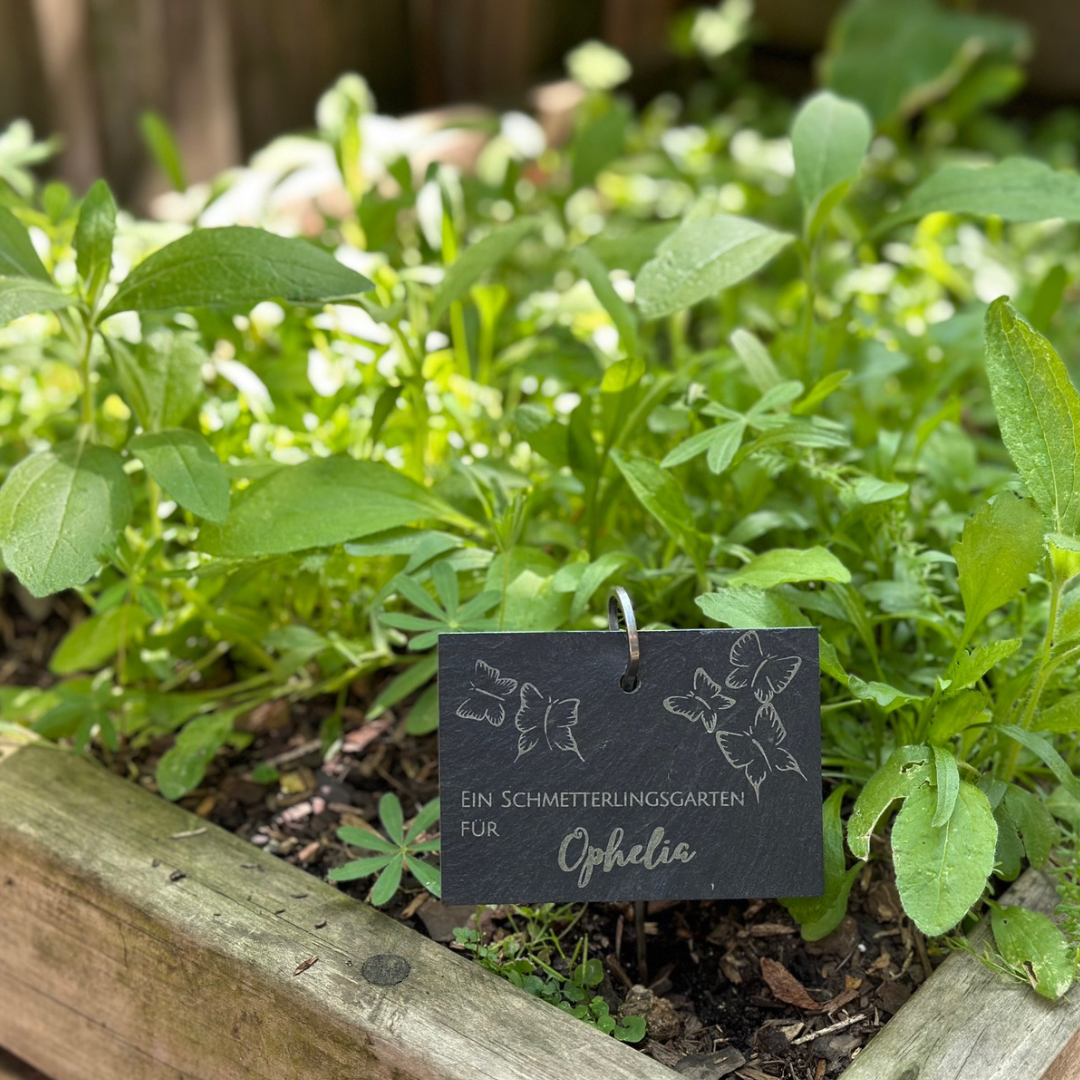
x=112, y=964
x=969, y=1023
x=11, y=1068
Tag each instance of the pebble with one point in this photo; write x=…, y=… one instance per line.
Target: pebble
x=712, y=1066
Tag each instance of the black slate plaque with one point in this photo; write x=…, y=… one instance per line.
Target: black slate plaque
x=557, y=784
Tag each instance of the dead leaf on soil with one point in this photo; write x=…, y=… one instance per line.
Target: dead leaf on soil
x=785, y=986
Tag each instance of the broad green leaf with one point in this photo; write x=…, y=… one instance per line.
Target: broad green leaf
x=819, y=916
x=429, y=876
x=1062, y=716
x=788, y=565
x=1000, y=547
x=235, y=266
x=94, y=234
x=475, y=261
x=1009, y=853
x=187, y=469
x=721, y=442
x=907, y=769
x=657, y=490
x=1016, y=189
x=897, y=58
x=320, y=503
x=1065, y=806
x=423, y=820
x=941, y=871
x=95, y=640
x=21, y=296
x=1038, y=411
x=749, y=608
x=392, y=818
x=404, y=684
x=829, y=139
x=596, y=273
x=972, y=666
x=17, y=255
x=622, y=375
x=361, y=868
x=631, y=252
x=1034, y=822
x=872, y=489
x=1041, y=748
x=956, y=714
x=1030, y=941
x=890, y=698
x=182, y=767
x=756, y=359
x=59, y=511
x=701, y=259
x=388, y=882
x=162, y=146
x=161, y=378
x=593, y=576
x=947, y=783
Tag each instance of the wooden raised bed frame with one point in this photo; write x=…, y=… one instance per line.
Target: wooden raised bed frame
x=131, y=952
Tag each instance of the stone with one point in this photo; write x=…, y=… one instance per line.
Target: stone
x=712, y=1066
x=662, y=1020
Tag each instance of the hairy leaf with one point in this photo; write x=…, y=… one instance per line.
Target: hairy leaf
x=187, y=469
x=17, y=255
x=94, y=234
x=791, y=565
x=829, y=139
x=21, y=296
x=907, y=769
x=1028, y=938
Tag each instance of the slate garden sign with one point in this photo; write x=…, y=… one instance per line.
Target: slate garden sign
x=691, y=770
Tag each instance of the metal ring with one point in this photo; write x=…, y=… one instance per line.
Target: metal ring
x=619, y=603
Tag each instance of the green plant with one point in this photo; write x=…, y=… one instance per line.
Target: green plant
x=525, y=959
x=397, y=851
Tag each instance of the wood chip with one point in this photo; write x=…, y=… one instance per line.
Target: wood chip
x=305, y=964
x=845, y=997
x=189, y=834
x=832, y=1029
x=356, y=740
x=785, y=986
x=770, y=929
x=819, y=1072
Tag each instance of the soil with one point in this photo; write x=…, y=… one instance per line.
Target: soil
x=730, y=989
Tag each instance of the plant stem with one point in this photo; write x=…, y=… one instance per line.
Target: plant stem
x=88, y=409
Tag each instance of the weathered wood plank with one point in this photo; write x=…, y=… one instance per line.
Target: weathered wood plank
x=968, y=1023
x=11, y=1068
x=114, y=965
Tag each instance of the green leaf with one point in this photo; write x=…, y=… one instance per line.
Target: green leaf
x=423, y=717
x=972, y=666
x=1009, y=853
x=94, y=234
x=1034, y=822
x=95, y=640
x=59, y=511
x=956, y=714
x=701, y=259
x=722, y=443
x=947, y=782
x=593, y=576
x=1015, y=189
x=880, y=693
x=21, y=296
x=1038, y=411
x=622, y=375
x=756, y=359
x=1028, y=939
x=423, y=821
x=749, y=608
x=162, y=146
x=1041, y=748
x=429, y=876
x=388, y=882
x=942, y=871
x=784, y=565
x=235, y=267
x=17, y=255
x=188, y=470
x=872, y=489
x=596, y=273
x=1000, y=547
x=161, y=378
x=897, y=58
x=476, y=260
x=630, y=1029
x=659, y=493
x=392, y=818
x=907, y=769
x=366, y=839
x=182, y=767
x=361, y=868
x=320, y=503
x=819, y=916
x=829, y=139
x=1061, y=717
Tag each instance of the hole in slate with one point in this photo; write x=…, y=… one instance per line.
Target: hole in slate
x=630, y=685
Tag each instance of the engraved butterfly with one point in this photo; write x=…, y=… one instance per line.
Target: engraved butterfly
x=487, y=692
x=703, y=703
x=767, y=673
x=757, y=751
x=547, y=719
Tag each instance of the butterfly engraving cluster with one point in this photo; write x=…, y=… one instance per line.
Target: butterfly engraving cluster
x=753, y=748
x=540, y=719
